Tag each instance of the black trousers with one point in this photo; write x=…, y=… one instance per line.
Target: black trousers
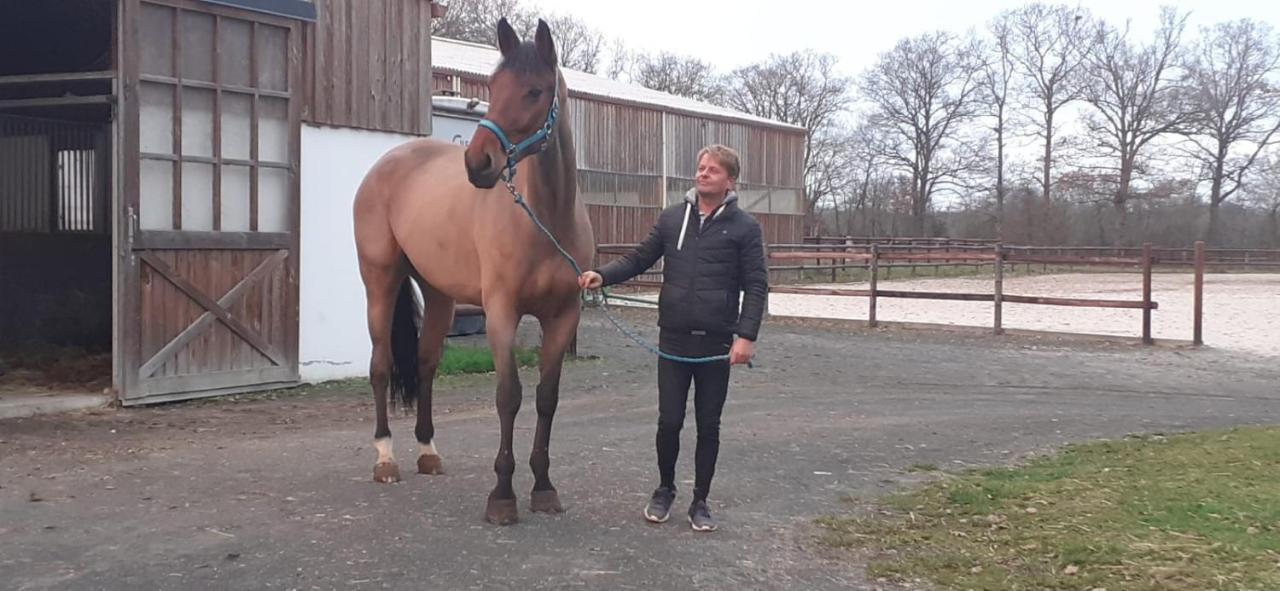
x=711, y=387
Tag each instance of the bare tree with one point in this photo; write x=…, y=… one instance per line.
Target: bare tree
x=803, y=89
x=578, y=45
x=621, y=59
x=831, y=172
x=1263, y=192
x=676, y=74
x=1135, y=98
x=922, y=92
x=475, y=20
x=865, y=145
x=1049, y=44
x=1235, y=106
x=996, y=84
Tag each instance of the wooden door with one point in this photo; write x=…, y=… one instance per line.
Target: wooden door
x=209, y=209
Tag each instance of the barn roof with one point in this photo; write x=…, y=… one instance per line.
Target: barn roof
x=475, y=60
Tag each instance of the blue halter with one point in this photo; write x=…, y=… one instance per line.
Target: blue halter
x=531, y=145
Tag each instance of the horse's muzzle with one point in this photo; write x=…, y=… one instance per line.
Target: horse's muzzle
x=482, y=175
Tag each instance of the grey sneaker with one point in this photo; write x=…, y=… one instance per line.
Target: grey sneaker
x=700, y=518
x=659, y=507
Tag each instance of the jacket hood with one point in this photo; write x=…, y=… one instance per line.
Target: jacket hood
x=691, y=197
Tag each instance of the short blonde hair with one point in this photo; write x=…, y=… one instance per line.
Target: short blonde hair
x=726, y=156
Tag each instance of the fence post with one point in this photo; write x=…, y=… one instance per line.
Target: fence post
x=999, y=293
x=1146, y=293
x=1198, y=333
x=768, y=277
x=875, y=266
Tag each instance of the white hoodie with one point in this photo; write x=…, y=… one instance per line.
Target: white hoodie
x=691, y=203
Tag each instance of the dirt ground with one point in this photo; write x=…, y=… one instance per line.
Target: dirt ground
x=53, y=369
x=274, y=492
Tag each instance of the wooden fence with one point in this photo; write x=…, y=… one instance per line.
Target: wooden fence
x=875, y=257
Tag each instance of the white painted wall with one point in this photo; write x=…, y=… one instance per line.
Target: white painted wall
x=333, y=337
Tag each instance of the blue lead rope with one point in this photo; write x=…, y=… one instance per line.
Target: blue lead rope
x=604, y=295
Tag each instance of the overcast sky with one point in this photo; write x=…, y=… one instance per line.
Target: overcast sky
x=731, y=33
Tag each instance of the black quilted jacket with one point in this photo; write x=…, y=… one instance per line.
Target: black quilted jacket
x=707, y=270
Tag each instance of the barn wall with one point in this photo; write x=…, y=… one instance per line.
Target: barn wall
x=444, y=83
x=619, y=152
x=771, y=178
x=367, y=65
x=334, y=337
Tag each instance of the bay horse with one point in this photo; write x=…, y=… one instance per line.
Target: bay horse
x=433, y=213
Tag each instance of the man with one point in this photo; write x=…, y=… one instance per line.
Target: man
x=711, y=250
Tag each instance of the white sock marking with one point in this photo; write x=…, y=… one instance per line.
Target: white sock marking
x=383, y=445
x=427, y=449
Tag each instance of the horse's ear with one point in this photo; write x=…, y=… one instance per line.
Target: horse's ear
x=508, y=40
x=545, y=45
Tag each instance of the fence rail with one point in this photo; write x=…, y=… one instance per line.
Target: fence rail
x=876, y=256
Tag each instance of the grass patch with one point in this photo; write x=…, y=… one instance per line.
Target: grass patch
x=462, y=360
x=1182, y=513
x=922, y=468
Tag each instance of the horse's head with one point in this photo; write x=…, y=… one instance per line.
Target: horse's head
x=523, y=105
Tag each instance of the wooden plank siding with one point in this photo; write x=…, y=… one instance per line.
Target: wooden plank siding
x=613, y=224
x=174, y=344
x=367, y=65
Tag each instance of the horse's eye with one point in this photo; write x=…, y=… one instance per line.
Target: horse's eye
x=535, y=93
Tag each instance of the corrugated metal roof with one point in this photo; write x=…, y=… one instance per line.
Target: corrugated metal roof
x=472, y=59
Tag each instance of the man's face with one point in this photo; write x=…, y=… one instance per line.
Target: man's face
x=712, y=178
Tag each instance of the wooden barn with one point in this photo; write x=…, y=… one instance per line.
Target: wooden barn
x=176, y=179
x=151, y=172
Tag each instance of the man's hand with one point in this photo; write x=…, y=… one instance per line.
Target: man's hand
x=742, y=352
x=590, y=280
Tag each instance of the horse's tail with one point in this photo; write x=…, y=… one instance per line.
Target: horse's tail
x=405, y=324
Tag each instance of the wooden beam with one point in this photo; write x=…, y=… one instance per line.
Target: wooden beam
x=1146, y=294
x=824, y=291
x=58, y=101
x=1197, y=329
x=1078, y=303
x=191, y=240
x=216, y=309
x=1072, y=260
x=844, y=256
x=172, y=388
x=938, y=295
x=59, y=77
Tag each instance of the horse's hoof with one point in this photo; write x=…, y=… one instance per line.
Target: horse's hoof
x=546, y=501
x=501, y=511
x=386, y=472
x=430, y=465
